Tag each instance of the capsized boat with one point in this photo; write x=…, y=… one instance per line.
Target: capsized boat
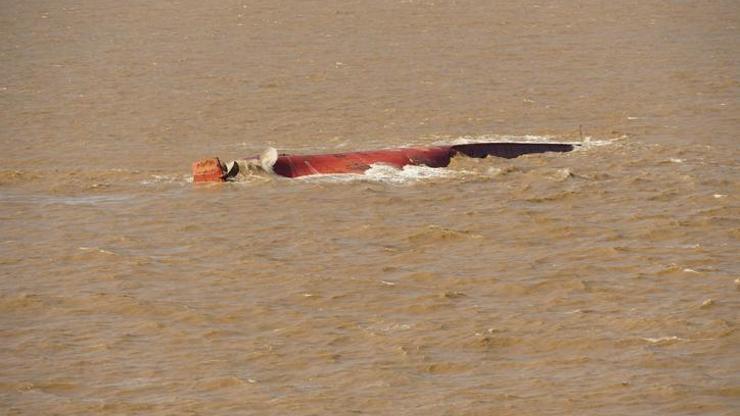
x=293, y=166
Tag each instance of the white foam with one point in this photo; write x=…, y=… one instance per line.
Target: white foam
x=387, y=174
x=587, y=142
x=98, y=249
x=495, y=138
x=660, y=340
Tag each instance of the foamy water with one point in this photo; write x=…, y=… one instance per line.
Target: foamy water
x=387, y=174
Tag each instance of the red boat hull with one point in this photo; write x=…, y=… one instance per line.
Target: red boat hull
x=293, y=166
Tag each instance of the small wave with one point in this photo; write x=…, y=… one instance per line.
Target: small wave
x=90, y=199
x=663, y=340
x=435, y=233
x=98, y=250
x=37, y=199
x=557, y=175
x=9, y=177
x=167, y=179
x=71, y=178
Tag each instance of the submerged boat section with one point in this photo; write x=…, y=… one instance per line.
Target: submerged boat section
x=293, y=166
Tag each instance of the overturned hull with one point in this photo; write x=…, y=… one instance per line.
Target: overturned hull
x=293, y=166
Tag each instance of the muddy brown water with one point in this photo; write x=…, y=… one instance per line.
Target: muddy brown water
x=603, y=281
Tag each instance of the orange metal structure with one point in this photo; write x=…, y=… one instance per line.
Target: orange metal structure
x=208, y=170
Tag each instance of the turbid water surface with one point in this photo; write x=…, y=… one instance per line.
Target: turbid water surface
x=603, y=281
